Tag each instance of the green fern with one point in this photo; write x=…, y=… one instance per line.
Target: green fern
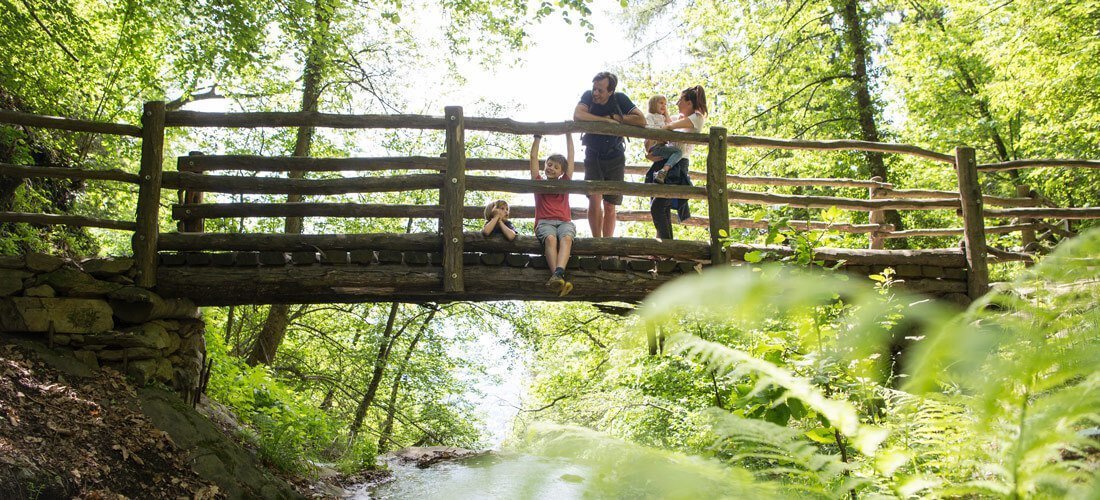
x=784, y=454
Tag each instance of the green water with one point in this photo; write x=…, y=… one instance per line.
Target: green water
x=501, y=475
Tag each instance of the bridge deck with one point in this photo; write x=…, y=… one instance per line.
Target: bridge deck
x=312, y=276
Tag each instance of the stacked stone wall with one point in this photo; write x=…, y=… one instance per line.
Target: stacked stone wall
x=94, y=308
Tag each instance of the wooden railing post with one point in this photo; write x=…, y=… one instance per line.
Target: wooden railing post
x=452, y=196
x=875, y=241
x=970, y=194
x=190, y=197
x=717, y=198
x=1027, y=236
x=144, y=242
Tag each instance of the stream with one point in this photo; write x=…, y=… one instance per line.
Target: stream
x=498, y=475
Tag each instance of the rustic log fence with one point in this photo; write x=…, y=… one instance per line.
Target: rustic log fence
x=195, y=176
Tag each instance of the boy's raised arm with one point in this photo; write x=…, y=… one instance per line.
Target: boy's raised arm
x=569, y=155
x=535, y=157
x=487, y=229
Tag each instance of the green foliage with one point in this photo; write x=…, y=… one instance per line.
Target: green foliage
x=286, y=429
x=826, y=387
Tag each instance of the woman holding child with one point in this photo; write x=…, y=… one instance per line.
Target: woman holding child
x=671, y=159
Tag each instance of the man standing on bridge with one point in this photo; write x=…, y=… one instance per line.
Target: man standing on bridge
x=604, y=155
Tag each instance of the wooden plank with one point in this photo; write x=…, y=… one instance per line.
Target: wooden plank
x=989, y=200
x=416, y=258
x=335, y=257
x=686, y=267
x=271, y=185
x=334, y=284
x=452, y=195
x=612, y=264
x=958, y=231
x=390, y=256
x=273, y=259
x=363, y=257
x=173, y=259
x=304, y=258
x=248, y=259
x=474, y=241
x=224, y=259
x=492, y=259
x=197, y=258
x=1045, y=213
x=517, y=260
x=718, y=209
x=302, y=209
x=744, y=141
x=314, y=119
x=71, y=124
x=512, y=185
x=144, y=241
x=300, y=119
x=970, y=193
x=589, y=263
x=66, y=220
x=802, y=201
x=256, y=163
x=1015, y=164
x=26, y=171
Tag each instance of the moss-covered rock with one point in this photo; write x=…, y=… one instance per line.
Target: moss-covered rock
x=34, y=314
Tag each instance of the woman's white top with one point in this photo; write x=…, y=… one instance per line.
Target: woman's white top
x=697, y=120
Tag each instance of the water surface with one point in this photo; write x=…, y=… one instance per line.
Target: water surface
x=499, y=475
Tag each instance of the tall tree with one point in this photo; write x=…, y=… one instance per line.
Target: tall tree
x=386, y=434
x=317, y=57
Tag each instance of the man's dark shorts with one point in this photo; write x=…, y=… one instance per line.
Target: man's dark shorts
x=605, y=169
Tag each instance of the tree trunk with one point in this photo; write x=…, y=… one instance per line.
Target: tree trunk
x=275, y=325
x=385, y=344
x=387, y=427
x=856, y=37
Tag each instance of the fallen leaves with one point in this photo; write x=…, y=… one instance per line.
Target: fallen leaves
x=88, y=433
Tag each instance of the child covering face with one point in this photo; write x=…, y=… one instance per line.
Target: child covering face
x=496, y=220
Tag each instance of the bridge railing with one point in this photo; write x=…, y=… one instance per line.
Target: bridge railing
x=448, y=175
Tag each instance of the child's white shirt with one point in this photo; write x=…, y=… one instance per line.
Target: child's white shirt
x=656, y=120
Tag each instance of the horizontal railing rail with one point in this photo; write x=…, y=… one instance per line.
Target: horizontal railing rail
x=70, y=124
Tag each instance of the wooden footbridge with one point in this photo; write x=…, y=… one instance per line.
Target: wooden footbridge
x=217, y=268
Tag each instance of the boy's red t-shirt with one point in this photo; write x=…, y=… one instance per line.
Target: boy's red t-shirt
x=552, y=206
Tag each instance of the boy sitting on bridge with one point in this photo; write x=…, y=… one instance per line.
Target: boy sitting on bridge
x=553, y=222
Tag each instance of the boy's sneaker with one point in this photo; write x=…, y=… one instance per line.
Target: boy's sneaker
x=660, y=177
x=565, y=289
x=556, y=283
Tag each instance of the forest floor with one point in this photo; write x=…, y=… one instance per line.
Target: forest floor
x=66, y=435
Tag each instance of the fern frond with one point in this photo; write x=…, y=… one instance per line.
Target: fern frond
x=780, y=452
x=735, y=363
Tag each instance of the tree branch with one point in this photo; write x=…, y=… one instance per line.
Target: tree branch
x=41, y=24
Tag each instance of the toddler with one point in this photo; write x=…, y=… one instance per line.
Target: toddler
x=496, y=220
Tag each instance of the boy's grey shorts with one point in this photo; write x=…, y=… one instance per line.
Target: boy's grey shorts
x=557, y=228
